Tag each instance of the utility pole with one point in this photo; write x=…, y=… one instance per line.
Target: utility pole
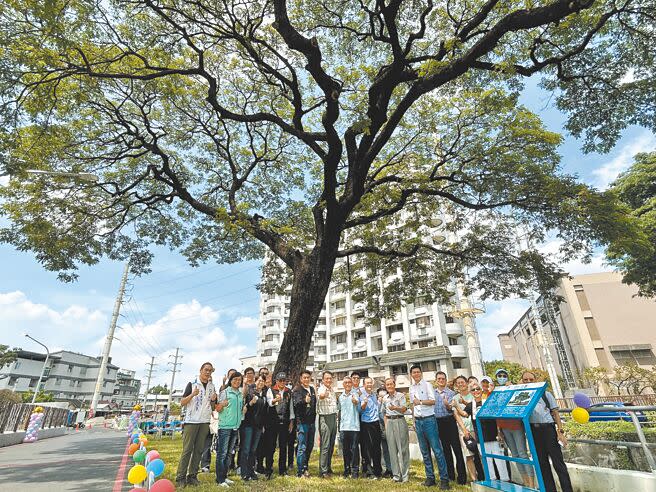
x=173, y=371
x=109, y=339
x=467, y=311
x=150, y=365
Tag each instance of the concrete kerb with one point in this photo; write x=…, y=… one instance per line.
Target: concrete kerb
x=12, y=438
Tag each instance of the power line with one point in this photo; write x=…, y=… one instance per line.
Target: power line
x=219, y=279
x=186, y=275
x=134, y=301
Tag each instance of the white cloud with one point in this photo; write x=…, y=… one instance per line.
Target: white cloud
x=499, y=317
x=623, y=158
x=246, y=323
x=191, y=326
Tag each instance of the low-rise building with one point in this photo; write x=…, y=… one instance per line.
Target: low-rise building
x=126, y=389
x=68, y=376
x=599, y=321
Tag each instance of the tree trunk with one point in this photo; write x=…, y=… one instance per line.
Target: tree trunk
x=311, y=281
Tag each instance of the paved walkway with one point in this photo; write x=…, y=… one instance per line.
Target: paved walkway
x=79, y=461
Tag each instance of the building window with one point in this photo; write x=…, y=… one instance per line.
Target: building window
x=267, y=353
x=642, y=357
x=423, y=322
x=396, y=348
x=83, y=371
x=57, y=381
x=457, y=364
x=428, y=366
x=453, y=341
x=341, y=304
x=320, y=335
x=340, y=338
x=337, y=357
x=12, y=380
x=377, y=344
x=33, y=382
x=399, y=370
x=359, y=355
x=320, y=350
x=70, y=369
x=321, y=321
x=71, y=382
x=17, y=364
x=422, y=344
x=340, y=321
x=449, y=319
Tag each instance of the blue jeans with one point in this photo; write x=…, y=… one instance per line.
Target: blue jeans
x=225, y=441
x=249, y=437
x=428, y=439
x=305, y=445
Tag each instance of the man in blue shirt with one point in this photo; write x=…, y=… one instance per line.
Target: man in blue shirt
x=447, y=428
x=348, y=405
x=370, y=429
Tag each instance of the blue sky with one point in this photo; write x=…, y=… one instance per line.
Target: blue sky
x=211, y=312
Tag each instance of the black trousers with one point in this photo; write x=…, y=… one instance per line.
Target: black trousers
x=277, y=435
x=447, y=429
x=546, y=446
x=260, y=453
x=371, y=451
x=349, y=441
x=291, y=446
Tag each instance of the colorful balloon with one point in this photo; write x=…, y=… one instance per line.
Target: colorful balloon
x=156, y=467
x=139, y=456
x=580, y=415
x=582, y=400
x=133, y=449
x=152, y=455
x=137, y=474
x=163, y=485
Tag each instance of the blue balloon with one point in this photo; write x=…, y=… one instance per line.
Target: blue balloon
x=156, y=467
x=135, y=440
x=582, y=400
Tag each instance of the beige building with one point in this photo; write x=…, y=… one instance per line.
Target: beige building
x=601, y=322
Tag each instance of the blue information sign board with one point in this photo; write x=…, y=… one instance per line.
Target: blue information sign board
x=515, y=402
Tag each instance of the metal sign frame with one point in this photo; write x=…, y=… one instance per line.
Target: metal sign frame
x=515, y=402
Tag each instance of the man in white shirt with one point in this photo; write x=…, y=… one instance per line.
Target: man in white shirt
x=327, y=411
x=422, y=397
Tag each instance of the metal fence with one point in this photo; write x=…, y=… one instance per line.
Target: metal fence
x=641, y=444
x=14, y=417
x=641, y=400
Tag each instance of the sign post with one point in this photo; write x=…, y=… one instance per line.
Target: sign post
x=515, y=402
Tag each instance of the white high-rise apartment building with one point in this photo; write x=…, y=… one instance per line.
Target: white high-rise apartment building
x=345, y=340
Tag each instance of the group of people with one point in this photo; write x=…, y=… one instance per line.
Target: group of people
x=251, y=416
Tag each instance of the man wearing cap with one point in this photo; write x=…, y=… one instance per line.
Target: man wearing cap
x=280, y=418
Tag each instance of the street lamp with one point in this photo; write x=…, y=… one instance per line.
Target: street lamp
x=43, y=369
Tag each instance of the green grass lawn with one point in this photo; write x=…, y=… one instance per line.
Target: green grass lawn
x=170, y=450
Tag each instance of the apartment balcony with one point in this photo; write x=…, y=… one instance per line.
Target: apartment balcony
x=338, y=312
x=358, y=307
x=273, y=315
x=320, y=357
x=360, y=324
x=335, y=329
x=422, y=310
x=453, y=329
x=272, y=344
x=272, y=330
x=458, y=351
x=338, y=348
x=359, y=345
x=396, y=338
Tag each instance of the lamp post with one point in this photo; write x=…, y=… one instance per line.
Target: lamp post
x=43, y=369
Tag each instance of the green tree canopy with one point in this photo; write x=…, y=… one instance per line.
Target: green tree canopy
x=326, y=133
x=636, y=258
x=40, y=397
x=159, y=390
x=7, y=355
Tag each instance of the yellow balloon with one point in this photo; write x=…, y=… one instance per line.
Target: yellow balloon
x=580, y=415
x=137, y=474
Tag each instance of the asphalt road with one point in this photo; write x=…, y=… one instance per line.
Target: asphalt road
x=79, y=461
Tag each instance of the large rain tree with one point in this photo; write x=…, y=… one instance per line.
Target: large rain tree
x=326, y=133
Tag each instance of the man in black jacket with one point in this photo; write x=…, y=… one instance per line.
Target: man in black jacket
x=280, y=423
x=304, y=398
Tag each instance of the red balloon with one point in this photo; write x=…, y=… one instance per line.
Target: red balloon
x=163, y=485
x=152, y=455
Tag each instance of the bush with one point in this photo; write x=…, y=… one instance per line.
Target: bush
x=608, y=431
x=9, y=396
